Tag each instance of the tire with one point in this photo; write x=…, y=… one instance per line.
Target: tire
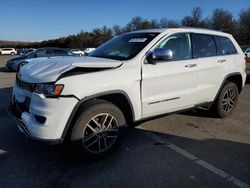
x=98, y=129
x=227, y=100
x=12, y=53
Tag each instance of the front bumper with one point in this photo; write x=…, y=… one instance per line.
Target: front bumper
x=15, y=114
x=27, y=107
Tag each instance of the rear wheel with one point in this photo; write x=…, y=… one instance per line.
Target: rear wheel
x=98, y=129
x=227, y=100
x=12, y=53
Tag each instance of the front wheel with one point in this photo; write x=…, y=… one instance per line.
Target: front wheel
x=98, y=129
x=12, y=53
x=227, y=100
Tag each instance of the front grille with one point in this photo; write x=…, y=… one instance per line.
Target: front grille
x=25, y=85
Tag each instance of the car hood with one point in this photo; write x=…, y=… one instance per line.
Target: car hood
x=43, y=70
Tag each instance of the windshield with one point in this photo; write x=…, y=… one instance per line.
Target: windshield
x=124, y=47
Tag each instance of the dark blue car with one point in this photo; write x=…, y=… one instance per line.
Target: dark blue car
x=15, y=63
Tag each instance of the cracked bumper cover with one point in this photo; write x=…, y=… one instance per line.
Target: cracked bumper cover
x=55, y=110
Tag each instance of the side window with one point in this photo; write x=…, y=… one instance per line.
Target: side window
x=203, y=45
x=224, y=46
x=41, y=53
x=179, y=44
x=60, y=52
x=49, y=52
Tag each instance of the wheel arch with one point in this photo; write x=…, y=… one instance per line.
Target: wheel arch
x=117, y=97
x=236, y=78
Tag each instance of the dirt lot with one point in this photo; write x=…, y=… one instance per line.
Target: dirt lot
x=189, y=149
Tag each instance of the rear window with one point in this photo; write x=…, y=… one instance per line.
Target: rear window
x=203, y=45
x=224, y=46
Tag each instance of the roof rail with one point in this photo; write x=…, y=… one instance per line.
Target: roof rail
x=201, y=28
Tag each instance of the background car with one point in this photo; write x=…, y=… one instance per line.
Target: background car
x=15, y=63
x=26, y=50
x=88, y=50
x=247, y=52
x=77, y=52
x=8, y=51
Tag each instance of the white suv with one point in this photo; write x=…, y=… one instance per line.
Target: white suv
x=88, y=50
x=77, y=52
x=8, y=51
x=130, y=78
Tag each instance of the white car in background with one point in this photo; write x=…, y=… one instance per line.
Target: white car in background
x=247, y=52
x=8, y=51
x=77, y=52
x=88, y=50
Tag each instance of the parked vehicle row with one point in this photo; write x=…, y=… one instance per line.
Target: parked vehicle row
x=25, y=51
x=82, y=52
x=135, y=76
x=22, y=51
x=14, y=64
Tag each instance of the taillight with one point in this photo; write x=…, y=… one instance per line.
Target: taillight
x=246, y=59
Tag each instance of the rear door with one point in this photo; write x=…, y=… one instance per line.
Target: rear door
x=212, y=68
x=170, y=85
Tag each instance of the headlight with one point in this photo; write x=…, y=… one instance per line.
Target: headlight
x=50, y=90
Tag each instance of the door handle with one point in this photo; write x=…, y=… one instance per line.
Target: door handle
x=190, y=65
x=221, y=61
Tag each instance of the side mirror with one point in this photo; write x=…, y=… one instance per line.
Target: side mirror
x=160, y=54
x=35, y=55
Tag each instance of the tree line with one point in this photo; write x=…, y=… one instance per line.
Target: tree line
x=220, y=19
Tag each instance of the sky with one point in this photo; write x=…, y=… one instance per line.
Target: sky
x=36, y=20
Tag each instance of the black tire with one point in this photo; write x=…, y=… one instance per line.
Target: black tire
x=12, y=53
x=227, y=100
x=98, y=143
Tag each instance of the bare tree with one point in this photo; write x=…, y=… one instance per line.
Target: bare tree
x=195, y=20
x=244, y=26
x=223, y=20
x=117, y=29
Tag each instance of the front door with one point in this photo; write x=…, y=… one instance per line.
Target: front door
x=170, y=85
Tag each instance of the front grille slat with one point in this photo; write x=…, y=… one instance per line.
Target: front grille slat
x=25, y=85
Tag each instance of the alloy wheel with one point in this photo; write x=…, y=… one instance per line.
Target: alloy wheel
x=228, y=100
x=100, y=133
